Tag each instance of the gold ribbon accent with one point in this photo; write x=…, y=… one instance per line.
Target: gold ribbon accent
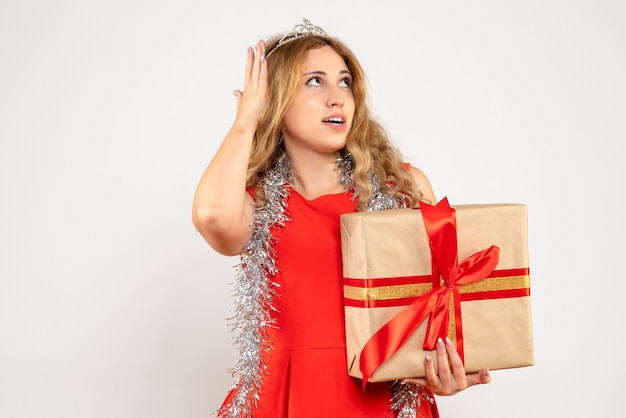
x=419, y=289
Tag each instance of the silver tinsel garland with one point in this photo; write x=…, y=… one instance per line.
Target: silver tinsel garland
x=407, y=399
x=255, y=292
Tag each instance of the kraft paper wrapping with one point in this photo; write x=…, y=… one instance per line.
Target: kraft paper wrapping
x=392, y=247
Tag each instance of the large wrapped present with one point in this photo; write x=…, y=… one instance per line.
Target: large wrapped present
x=412, y=276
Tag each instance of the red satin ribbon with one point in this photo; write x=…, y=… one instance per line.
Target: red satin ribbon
x=447, y=276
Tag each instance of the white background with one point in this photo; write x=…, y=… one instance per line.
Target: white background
x=111, y=305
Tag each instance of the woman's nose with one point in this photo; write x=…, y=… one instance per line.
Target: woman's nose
x=335, y=97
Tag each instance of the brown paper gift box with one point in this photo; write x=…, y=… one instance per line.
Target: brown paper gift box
x=387, y=265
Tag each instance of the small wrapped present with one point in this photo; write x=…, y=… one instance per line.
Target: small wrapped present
x=414, y=275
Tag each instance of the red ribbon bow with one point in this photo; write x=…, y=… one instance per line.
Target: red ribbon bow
x=448, y=275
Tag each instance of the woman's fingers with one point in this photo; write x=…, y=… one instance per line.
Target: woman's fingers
x=251, y=98
x=259, y=60
x=451, y=381
x=437, y=379
x=432, y=378
x=263, y=70
x=255, y=66
x=481, y=378
x=445, y=375
x=449, y=377
x=458, y=369
x=249, y=66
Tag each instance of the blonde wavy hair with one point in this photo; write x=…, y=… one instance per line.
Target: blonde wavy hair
x=367, y=142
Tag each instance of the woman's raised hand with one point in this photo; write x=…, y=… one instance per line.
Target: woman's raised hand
x=450, y=377
x=250, y=101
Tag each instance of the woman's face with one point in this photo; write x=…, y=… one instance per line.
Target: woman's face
x=320, y=116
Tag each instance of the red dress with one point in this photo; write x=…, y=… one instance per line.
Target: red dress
x=307, y=366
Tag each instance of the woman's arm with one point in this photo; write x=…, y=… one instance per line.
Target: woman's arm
x=222, y=209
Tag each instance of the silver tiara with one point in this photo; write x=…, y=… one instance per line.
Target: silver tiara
x=306, y=28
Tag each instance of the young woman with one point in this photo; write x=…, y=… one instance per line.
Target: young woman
x=303, y=150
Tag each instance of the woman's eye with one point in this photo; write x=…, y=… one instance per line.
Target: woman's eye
x=315, y=81
x=346, y=82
